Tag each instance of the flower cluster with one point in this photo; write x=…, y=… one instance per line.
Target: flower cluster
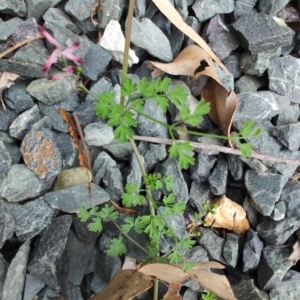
x=60, y=53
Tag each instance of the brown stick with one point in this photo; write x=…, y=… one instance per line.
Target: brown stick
x=257, y=155
x=85, y=149
x=24, y=42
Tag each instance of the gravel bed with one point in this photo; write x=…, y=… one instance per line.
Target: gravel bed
x=45, y=251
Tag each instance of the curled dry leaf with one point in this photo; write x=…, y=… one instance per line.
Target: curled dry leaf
x=205, y=265
x=173, y=292
x=125, y=285
x=6, y=80
x=129, y=263
x=295, y=256
x=172, y=14
x=173, y=274
x=94, y=12
x=194, y=61
x=229, y=215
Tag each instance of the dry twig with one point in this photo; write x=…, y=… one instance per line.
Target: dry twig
x=256, y=155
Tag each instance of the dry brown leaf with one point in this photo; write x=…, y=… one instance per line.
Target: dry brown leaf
x=172, y=14
x=216, y=283
x=229, y=215
x=194, y=61
x=222, y=105
x=173, y=292
x=165, y=272
x=205, y=265
x=295, y=256
x=6, y=80
x=94, y=12
x=125, y=285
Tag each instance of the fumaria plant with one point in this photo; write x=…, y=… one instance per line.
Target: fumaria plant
x=122, y=117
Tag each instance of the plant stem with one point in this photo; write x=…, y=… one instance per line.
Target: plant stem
x=129, y=238
x=127, y=44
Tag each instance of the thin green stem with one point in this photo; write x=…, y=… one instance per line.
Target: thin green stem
x=129, y=238
x=127, y=44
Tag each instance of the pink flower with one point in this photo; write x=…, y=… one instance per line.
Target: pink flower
x=67, y=72
x=58, y=52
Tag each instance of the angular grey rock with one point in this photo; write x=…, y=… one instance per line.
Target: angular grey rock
x=93, y=66
x=252, y=213
x=20, y=184
x=231, y=249
x=113, y=183
x=248, y=83
x=7, y=222
x=101, y=165
x=202, y=168
x=290, y=114
x=41, y=154
x=140, y=9
x=79, y=254
x=3, y=270
x=119, y=150
x=135, y=174
x=247, y=290
x=289, y=135
x=31, y=218
x=284, y=78
x=85, y=111
x=264, y=190
x=212, y=243
x=182, y=8
x=236, y=166
x=5, y=159
x=244, y=7
x=209, y=141
x=51, y=91
x=147, y=36
x=70, y=199
x=28, y=60
x=149, y=128
x=79, y=11
x=55, y=16
x=190, y=294
x=195, y=24
x=52, y=111
x=232, y=63
x=22, y=124
x=196, y=254
x=109, y=10
x=218, y=179
x=205, y=9
x=48, y=262
x=257, y=64
x=162, y=23
x=180, y=189
x=223, y=43
x=13, y=7
x=6, y=118
x=66, y=148
x=32, y=287
x=8, y=27
x=98, y=134
x=199, y=193
x=279, y=211
x=71, y=291
x=271, y=7
x=36, y=8
x=257, y=105
x=15, y=277
x=83, y=233
x=14, y=152
x=26, y=29
x=17, y=98
x=252, y=251
x=256, y=40
x=226, y=79
x=152, y=153
x=288, y=288
x=273, y=266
